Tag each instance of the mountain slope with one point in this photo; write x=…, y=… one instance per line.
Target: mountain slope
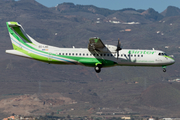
x=171, y=11
x=151, y=14
x=161, y=95
x=70, y=7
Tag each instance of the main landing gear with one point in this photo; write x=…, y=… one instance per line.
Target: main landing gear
x=97, y=68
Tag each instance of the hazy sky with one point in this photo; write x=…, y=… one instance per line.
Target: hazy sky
x=158, y=5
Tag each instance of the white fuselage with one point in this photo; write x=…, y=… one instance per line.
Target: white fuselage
x=127, y=57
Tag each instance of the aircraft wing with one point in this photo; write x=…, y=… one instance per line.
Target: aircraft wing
x=95, y=44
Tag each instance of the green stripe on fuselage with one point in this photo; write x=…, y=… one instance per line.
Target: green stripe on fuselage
x=169, y=57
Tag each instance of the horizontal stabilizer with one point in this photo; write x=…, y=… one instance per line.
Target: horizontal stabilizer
x=15, y=52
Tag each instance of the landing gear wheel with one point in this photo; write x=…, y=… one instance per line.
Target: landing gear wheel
x=98, y=68
x=164, y=69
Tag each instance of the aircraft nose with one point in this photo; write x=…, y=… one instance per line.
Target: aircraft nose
x=172, y=61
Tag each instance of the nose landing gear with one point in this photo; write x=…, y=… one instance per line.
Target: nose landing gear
x=164, y=68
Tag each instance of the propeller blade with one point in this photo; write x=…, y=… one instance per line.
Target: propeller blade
x=118, y=48
x=117, y=54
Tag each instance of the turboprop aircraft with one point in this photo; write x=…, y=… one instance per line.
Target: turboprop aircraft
x=97, y=55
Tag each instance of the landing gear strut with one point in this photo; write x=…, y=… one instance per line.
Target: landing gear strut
x=97, y=68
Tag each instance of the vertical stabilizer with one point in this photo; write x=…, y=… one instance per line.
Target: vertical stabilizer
x=17, y=35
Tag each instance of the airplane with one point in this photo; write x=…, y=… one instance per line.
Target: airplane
x=97, y=55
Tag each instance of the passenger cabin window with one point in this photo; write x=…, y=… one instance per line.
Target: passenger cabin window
x=59, y=53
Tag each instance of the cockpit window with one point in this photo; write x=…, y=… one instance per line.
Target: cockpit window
x=162, y=54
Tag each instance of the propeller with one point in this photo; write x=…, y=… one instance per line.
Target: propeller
x=118, y=48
